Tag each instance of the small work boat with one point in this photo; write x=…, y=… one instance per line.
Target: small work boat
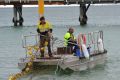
x=91, y=53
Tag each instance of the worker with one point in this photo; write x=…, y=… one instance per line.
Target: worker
x=70, y=40
x=44, y=28
x=69, y=37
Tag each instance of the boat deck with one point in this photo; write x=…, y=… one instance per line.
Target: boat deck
x=57, y=58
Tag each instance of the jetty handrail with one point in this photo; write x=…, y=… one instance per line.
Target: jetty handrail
x=6, y=1
x=67, y=1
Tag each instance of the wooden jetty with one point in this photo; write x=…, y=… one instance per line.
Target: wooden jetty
x=84, y=5
x=33, y=2
x=29, y=2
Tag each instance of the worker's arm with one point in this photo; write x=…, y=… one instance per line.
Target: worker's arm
x=38, y=30
x=38, y=27
x=50, y=30
x=50, y=27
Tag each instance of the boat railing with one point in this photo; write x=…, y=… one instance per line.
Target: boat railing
x=29, y=41
x=92, y=40
x=33, y=40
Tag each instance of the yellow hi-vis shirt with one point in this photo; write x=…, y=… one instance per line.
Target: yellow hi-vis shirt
x=44, y=27
x=68, y=36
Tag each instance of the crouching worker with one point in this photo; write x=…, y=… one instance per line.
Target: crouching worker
x=44, y=28
x=70, y=40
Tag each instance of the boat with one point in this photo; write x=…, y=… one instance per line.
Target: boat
x=93, y=53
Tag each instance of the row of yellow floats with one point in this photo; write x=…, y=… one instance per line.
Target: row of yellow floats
x=29, y=65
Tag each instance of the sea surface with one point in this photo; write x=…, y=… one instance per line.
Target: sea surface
x=100, y=17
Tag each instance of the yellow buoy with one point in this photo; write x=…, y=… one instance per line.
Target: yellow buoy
x=31, y=59
x=29, y=53
x=29, y=48
x=41, y=7
x=32, y=56
x=18, y=75
x=12, y=78
x=23, y=73
x=27, y=70
x=29, y=63
x=46, y=43
x=42, y=49
x=36, y=47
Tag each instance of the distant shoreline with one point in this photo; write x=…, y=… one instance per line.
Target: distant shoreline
x=72, y=5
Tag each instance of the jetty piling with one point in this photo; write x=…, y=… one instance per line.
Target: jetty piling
x=17, y=10
x=83, y=16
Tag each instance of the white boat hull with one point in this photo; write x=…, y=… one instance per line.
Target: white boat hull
x=69, y=61
x=83, y=64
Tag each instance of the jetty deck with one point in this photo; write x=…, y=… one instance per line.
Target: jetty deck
x=33, y=2
x=83, y=7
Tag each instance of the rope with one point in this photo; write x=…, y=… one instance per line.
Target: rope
x=57, y=67
x=59, y=61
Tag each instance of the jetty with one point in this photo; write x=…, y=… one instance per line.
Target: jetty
x=84, y=6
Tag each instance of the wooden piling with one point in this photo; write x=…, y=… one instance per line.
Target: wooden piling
x=83, y=16
x=17, y=10
x=20, y=15
x=15, y=15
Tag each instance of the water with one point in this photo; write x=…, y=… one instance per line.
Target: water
x=104, y=18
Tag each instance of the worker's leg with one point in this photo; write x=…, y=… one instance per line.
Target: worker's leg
x=42, y=42
x=49, y=48
x=76, y=47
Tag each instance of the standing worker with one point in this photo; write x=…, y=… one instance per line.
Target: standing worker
x=44, y=28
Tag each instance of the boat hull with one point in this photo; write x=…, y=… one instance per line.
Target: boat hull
x=68, y=61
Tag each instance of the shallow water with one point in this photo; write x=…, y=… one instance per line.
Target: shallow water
x=104, y=18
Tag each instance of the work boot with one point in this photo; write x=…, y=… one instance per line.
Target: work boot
x=50, y=55
x=42, y=54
